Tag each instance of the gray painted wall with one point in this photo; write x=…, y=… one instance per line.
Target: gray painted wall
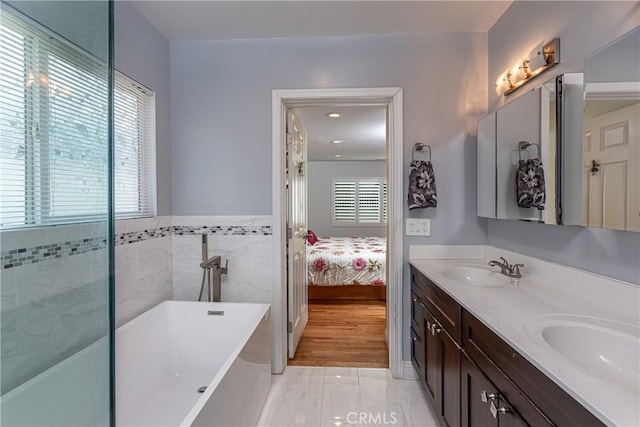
x=142, y=53
x=319, y=175
x=221, y=118
x=583, y=27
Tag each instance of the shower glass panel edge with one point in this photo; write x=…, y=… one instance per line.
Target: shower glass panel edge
x=56, y=214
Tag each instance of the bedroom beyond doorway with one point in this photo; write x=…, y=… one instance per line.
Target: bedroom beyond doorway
x=345, y=174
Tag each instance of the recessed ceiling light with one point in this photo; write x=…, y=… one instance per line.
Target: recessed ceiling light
x=338, y=155
x=337, y=141
x=334, y=115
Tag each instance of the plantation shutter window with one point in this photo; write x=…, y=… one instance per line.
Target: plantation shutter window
x=369, y=196
x=54, y=133
x=344, y=201
x=359, y=201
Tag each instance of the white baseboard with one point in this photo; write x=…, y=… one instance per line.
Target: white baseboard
x=408, y=371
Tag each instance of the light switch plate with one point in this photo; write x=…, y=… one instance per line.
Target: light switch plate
x=418, y=227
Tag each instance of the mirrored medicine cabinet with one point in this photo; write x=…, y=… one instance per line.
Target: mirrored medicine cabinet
x=567, y=152
x=611, y=162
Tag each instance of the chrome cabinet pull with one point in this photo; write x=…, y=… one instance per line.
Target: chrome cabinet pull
x=488, y=396
x=435, y=329
x=415, y=299
x=498, y=411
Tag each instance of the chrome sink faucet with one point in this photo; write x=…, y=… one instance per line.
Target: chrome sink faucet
x=507, y=269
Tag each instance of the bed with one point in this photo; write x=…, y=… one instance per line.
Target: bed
x=347, y=267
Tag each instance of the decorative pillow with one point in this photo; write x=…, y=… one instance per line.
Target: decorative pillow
x=312, y=239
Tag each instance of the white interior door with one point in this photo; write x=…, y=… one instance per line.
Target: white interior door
x=298, y=311
x=612, y=188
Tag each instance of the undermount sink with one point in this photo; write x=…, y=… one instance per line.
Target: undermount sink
x=601, y=348
x=475, y=275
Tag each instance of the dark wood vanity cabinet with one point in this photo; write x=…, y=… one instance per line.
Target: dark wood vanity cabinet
x=475, y=379
x=440, y=374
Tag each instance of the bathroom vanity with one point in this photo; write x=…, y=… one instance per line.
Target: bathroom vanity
x=495, y=351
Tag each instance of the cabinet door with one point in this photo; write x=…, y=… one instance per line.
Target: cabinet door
x=486, y=184
x=517, y=121
x=417, y=354
x=431, y=360
x=449, y=365
x=476, y=394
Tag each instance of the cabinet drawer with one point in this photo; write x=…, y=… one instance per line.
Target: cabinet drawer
x=536, y=397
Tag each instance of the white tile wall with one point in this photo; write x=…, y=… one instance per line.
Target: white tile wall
x=51, y=309
x=144, y=276
x=250, y=259
x=154, y=270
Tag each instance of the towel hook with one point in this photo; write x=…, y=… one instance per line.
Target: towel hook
x=419, y=146
x=523, y=145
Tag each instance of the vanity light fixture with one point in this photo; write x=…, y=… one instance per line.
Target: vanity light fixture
x=334, y=115
x=337, y=141
x=542, y=57
x=337, y=156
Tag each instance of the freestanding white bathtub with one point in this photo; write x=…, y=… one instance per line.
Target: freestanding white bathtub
x=164, y=356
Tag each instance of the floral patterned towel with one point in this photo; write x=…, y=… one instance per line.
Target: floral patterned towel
x=340, y=261
x=422, y=185
x=530, y=184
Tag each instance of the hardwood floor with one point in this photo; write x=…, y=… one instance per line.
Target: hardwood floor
x=344, y=333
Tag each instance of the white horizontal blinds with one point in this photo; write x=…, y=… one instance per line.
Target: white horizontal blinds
x=369, y=206
x=344, y=201
x=12, y=127
x=53, y=129
x=134, y=149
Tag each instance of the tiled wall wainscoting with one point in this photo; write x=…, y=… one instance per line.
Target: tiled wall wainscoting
x=159, y=259
x=54, y=295
x=143, y=266
x=244, y=241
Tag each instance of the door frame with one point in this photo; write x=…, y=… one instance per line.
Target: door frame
x=392, y=98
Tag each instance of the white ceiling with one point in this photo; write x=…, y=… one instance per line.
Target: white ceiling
x=225, y=20
x=362, y=128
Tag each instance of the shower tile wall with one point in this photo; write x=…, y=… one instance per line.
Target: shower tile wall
x=245, y=241
x=51, y=304
x=143, y=265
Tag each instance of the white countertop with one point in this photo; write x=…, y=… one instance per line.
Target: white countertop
x=550, y=289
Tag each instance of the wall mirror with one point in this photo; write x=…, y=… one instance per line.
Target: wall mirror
x=530, y=155
x=611, y=160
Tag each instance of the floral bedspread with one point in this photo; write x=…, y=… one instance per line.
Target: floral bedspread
x=340, y=261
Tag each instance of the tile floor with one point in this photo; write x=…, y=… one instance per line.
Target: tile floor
x=330, y=397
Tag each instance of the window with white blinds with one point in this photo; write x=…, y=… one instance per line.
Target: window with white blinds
x=134, y=151
x=54, y=146
x=359, y=201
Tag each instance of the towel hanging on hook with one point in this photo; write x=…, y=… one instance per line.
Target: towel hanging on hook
x=422, y=181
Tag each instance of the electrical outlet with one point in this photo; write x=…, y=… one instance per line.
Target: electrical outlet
x=418, y=227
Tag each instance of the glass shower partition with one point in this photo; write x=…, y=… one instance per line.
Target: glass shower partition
x=56, y=226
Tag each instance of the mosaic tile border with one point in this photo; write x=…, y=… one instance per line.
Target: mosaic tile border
x=223, y=230
x=141, y=236
x=26, y=256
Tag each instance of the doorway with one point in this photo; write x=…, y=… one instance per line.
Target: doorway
x=343, y=188
x=283, y=101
